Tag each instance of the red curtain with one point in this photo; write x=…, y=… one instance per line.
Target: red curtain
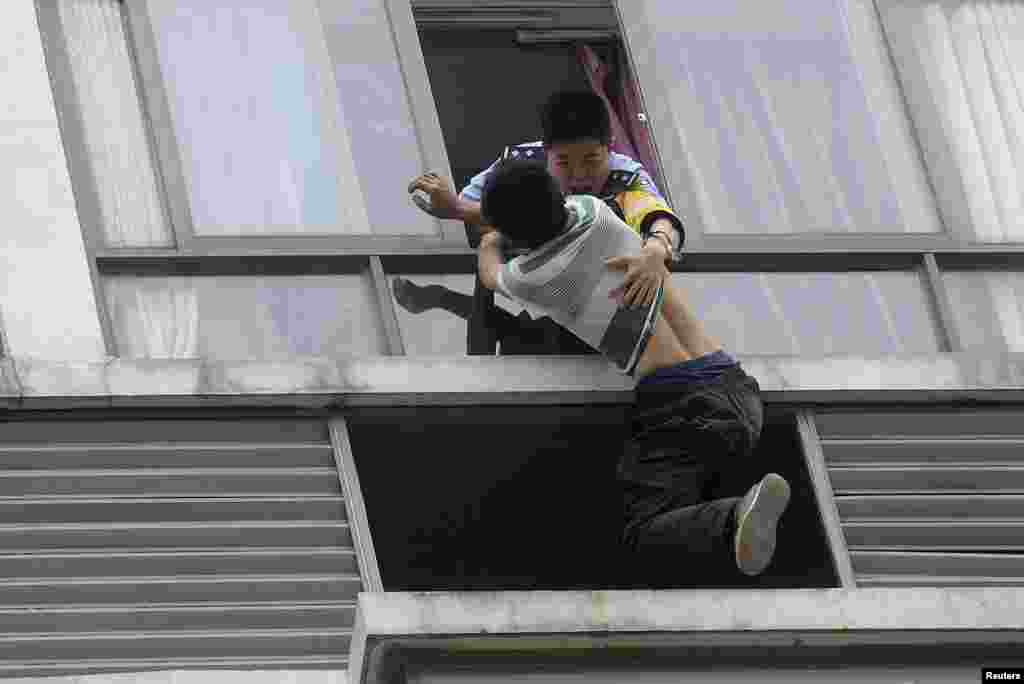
x=629, y=128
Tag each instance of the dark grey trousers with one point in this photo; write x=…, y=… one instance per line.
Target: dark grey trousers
x=684, y=439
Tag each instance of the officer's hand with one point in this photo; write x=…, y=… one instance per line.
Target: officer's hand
x=443, y=204
x=644, y=275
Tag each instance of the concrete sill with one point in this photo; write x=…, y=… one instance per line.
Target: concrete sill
x=396, y=629
x=406, y=381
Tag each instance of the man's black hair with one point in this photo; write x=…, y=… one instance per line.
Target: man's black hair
x=524, y=203
x=574, y=115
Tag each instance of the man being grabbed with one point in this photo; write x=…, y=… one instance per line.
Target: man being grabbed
x=697, y=413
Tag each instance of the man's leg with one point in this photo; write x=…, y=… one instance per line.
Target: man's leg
x=680, y=446
x=419, y=298
x=666, y=506
x=744, y=529
x=518, y=334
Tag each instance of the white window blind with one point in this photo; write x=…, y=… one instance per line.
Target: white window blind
x=245, y=317
x=960, y=63
x=115, y=145
x=780, y=116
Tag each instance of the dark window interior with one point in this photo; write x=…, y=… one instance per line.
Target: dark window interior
x=525, y=497
x=488, y=89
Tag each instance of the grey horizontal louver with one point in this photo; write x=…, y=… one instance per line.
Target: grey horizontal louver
x=129, y=545
x=929, y=498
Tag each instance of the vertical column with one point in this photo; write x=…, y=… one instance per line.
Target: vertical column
x=359, y=523
x=823, y=494
x=47, y=297
x=942, y=303
x=387, y=307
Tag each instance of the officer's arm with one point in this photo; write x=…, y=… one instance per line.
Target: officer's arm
x=469, y=198
x=673, y=235
x=647, y=214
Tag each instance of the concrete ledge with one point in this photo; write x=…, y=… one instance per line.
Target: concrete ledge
x=403, y=381
x=452, y=624
x=689, y=610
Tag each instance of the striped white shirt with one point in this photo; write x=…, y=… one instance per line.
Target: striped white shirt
x=566, y=278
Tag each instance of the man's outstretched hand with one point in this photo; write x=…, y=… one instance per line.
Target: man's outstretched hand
x=644, y=275
x=444, y=203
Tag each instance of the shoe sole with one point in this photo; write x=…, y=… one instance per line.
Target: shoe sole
x=756, y=528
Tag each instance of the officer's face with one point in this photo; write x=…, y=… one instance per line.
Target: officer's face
x=581, y=168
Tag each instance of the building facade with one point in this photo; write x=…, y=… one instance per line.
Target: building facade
x=227, y=452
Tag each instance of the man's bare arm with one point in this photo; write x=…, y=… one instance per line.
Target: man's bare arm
x=489, y=259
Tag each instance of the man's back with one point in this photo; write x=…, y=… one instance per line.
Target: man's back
x=568, y=280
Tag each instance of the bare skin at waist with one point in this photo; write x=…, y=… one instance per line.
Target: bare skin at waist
x=678, y=335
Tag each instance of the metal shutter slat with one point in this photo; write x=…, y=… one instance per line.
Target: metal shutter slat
x=936, y=534
x=154, y=617
x=979, y=450
x=77, y=456
x=166, y=482
x=944, y=506
x=930, y=581
x=209, y=534
x=937, y=479
x=53, y=667
x=954, y=423
x=939, y=564
x=149, y=561
x=231, y=644
x=170, y=509
x=181, y=589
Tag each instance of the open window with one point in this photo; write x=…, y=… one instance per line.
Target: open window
x=491, y=68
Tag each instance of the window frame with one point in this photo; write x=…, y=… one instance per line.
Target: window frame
x=380, y=257
x=84, y=183
x=167, y=152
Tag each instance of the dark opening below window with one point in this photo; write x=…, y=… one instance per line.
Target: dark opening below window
x=521, y=498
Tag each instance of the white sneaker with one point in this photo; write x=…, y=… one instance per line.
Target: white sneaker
x=757, y=515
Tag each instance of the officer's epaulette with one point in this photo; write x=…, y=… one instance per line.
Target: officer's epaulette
x=528, y=152
x=619, y=180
